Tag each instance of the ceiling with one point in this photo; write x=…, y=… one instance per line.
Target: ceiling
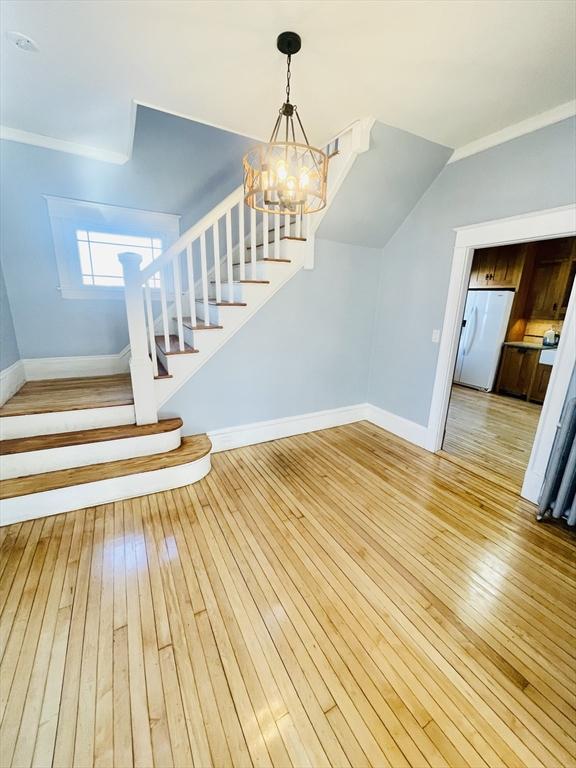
x=450, y=71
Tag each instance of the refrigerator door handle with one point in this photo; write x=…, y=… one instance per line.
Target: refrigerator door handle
x=471, y=332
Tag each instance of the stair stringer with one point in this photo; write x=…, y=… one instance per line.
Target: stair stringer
x=183, y=367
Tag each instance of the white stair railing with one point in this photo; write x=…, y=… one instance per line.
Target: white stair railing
x=175, y=291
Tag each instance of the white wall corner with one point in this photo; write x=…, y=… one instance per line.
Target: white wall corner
x=399, y=426
x=11, y=379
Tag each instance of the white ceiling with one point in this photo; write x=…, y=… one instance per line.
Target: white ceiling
x=451, y=71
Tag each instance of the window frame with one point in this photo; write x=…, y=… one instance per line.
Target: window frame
x=68, y=215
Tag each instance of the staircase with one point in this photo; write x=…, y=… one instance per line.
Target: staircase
x=74, y=443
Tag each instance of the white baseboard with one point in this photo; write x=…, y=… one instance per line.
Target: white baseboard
x=404, y=428
x=263, y=431
x=11, y=379
x=70, y=367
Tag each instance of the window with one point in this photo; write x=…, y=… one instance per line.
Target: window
x=98, y=252
x=89, y=236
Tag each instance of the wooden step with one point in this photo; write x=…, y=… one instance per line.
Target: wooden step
x=214, y=303
x=271, y=242
x=191, y=449
x=263, y=261
x=174, y=348
x=241, y=282
x=55, y=395
x=199, y=325
x=66, y=439
x=162, y=372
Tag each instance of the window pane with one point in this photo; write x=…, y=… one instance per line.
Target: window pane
x=105, y=259
x=81, y=234
x=121, y=240
x=84, y=253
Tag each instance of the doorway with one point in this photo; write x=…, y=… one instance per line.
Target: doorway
x=516, y=302
x=521, y=230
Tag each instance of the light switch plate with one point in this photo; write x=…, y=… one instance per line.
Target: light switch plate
x=436, y=335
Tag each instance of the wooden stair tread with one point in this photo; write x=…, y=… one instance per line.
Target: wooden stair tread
x=214, y=303
x=241, y=282
x=284, y=237
x=55, y=395
x=248, y=262
x=174, y=346
x=198, y=325
x=191, y=449
x=162, y=372
x=64, y=439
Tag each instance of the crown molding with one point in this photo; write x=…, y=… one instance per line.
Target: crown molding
x=551, y=116
x=49, y=142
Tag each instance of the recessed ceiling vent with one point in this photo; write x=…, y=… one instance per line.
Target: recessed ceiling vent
x=23, y=42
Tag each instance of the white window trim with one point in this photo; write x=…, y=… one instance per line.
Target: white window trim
x=68, y=215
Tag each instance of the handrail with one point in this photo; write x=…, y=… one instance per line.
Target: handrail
x=192, y=233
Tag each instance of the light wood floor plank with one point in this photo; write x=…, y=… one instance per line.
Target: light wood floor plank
x=340, y=598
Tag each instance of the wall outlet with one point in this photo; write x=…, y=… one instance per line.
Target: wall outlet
x=436, y=335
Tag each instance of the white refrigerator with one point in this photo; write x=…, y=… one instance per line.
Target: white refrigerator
x=483, y=331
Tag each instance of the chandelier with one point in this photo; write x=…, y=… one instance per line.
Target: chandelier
x=287, y=175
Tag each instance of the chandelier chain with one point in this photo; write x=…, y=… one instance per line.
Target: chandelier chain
x=288, y=76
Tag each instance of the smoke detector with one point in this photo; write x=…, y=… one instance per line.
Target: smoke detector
x=23, y=42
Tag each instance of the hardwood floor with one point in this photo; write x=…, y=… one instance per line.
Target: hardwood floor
x=51, y=395
x=492, y=433
x=340, y=598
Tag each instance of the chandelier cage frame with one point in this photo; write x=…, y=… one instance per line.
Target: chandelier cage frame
x=287, y=175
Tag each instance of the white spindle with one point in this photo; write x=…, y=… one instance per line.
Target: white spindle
x=299, y=224
x=287, y=225
x=304, y=229
x=276, y=235
x=229, y=256
x=165, y=324
x=178, y=299
x=204, y=272
x=241, y=240
x=150, y=324
x=253, y=240
x=265, y=234
x=191, y=283
x=217, y=278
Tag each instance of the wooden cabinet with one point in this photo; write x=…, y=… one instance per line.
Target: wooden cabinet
x=499, y=267
x=522, y=375
x=517, y=370
x=552, y=280
x=540, y=384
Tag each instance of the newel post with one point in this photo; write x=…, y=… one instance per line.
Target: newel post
x=141, y=370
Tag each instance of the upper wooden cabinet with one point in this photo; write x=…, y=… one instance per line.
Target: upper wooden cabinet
x=499, y=267
x=552, y=280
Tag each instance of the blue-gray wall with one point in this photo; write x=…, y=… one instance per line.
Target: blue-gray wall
x=9, y=352
x=532, y=172
x=382, y=187
x=177, y=166
x=306, y=350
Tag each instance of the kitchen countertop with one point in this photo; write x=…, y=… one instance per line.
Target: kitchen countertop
x=528, y=345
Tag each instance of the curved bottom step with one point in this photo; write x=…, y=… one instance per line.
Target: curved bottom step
x=28, y=498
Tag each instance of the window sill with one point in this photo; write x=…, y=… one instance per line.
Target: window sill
x=92, y=292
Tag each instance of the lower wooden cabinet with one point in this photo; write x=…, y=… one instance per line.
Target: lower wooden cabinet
x=517, y=369
x=540, y=384
x=520, y=374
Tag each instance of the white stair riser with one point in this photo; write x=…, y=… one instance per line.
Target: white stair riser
x=252, y=272
x=229, y=292
x=68, y=457
x=65, y=421
x=46, y=503
x=211, y=316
